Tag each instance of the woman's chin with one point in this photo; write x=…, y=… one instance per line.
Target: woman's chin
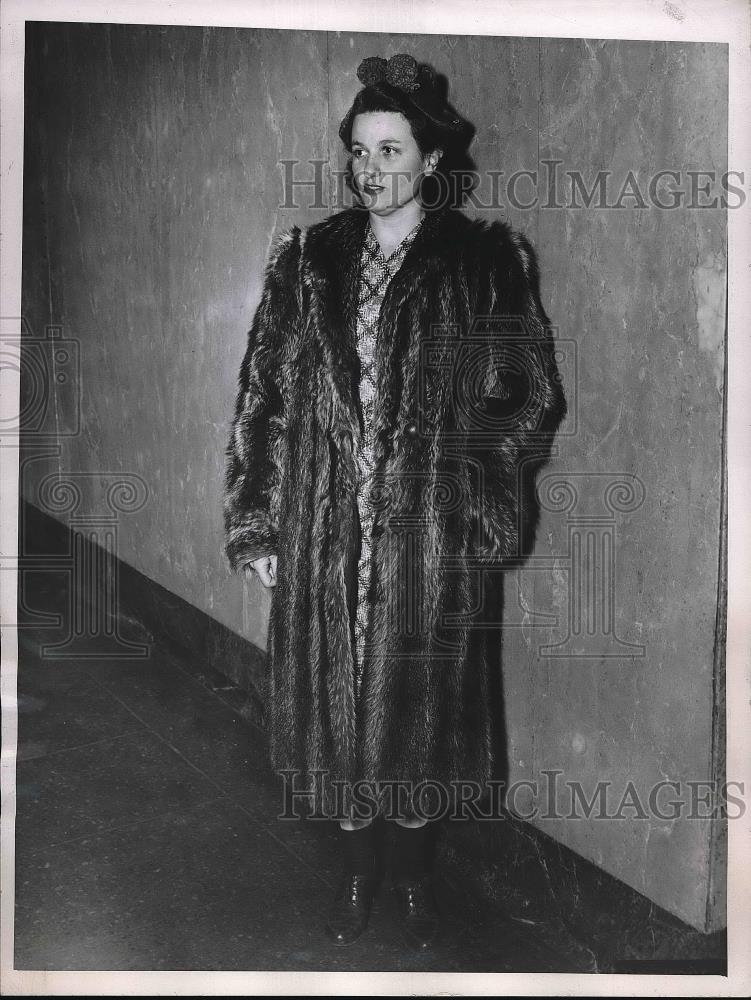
x=374, y=201
x=381, y=204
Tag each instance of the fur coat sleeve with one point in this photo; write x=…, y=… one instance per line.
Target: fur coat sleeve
x=260, y=416
x=521, y=392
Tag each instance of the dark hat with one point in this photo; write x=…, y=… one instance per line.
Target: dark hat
x=419, y=85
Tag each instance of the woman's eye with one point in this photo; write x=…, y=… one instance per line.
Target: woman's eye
x=358, y=153
x=388, y=150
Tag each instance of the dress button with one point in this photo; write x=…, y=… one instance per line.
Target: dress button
x=411, y=429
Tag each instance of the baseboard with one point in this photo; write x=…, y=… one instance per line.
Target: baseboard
x=206, y=648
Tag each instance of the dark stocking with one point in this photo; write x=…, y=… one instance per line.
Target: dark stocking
x=358, y=849
x=409, y=857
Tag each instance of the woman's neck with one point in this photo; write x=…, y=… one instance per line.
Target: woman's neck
x=391, y=229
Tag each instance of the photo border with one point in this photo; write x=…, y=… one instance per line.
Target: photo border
x=723, y=21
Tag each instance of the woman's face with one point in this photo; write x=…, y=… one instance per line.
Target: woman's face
x=386, y=161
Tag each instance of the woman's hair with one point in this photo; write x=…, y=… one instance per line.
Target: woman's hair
x=417, y=92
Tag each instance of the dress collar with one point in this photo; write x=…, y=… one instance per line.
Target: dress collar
x=373, y=247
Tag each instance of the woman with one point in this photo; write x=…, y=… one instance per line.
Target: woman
x=398, y=392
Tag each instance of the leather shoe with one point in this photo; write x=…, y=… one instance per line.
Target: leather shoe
x=419, y=912
x=350, y=910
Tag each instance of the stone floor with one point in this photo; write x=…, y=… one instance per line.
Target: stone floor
x=147, y=838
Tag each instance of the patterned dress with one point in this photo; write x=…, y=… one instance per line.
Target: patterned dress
x=376, y=271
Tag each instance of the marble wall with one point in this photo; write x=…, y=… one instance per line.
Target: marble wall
x=155, y=160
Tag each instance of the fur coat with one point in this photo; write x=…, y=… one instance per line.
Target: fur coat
x=470, y=398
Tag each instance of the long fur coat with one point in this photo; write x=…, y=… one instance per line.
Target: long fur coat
x=469, y=401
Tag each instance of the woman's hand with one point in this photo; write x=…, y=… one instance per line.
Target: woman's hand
x=265, y=569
